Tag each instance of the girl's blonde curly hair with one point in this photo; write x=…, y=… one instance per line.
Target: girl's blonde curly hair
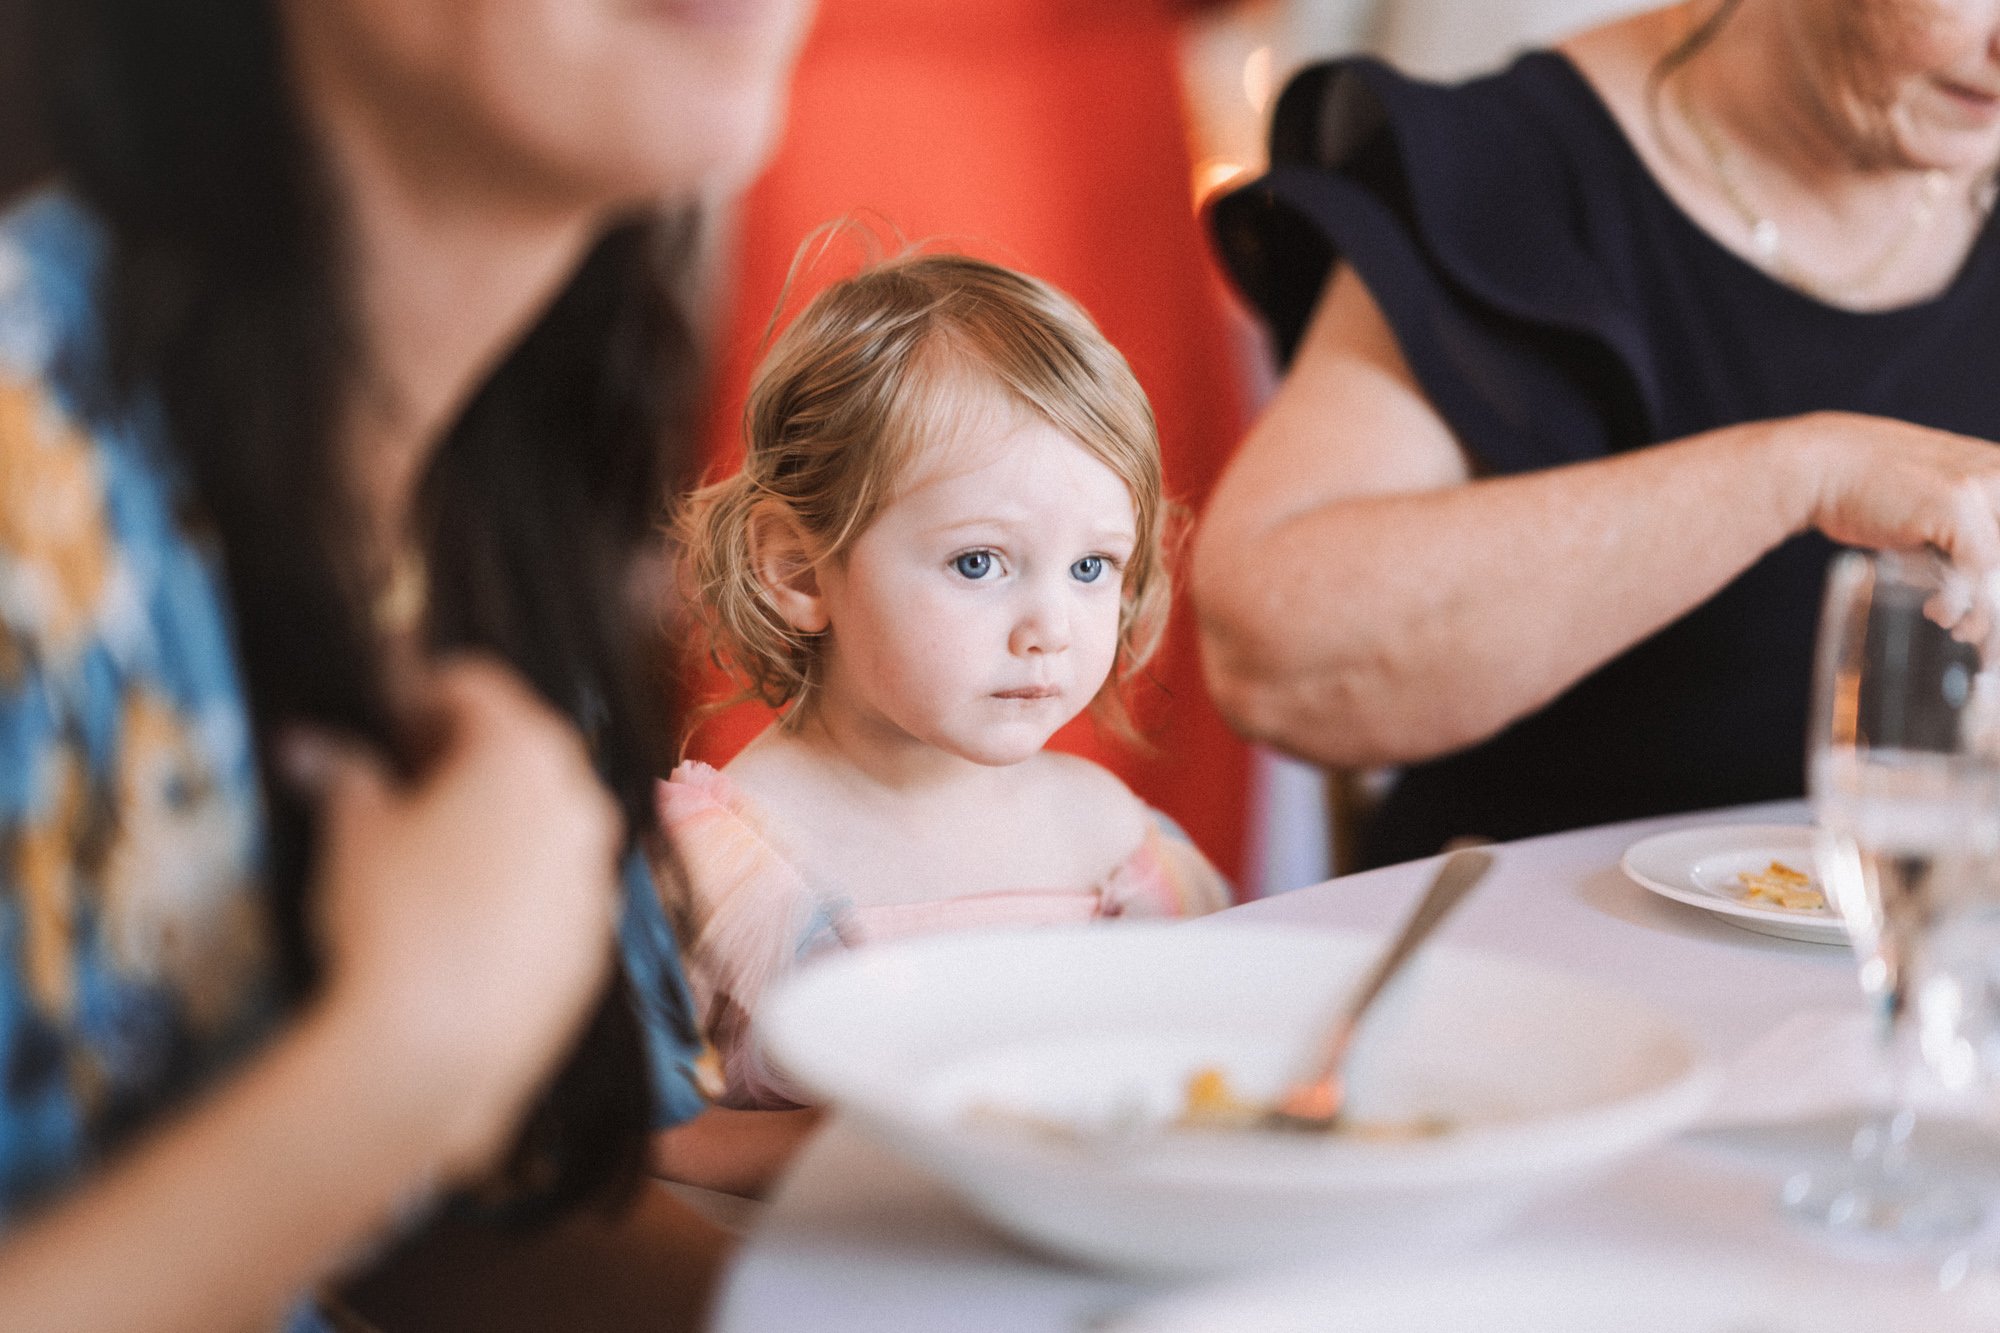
x=873, y=369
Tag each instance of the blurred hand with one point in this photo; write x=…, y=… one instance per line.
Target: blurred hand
x=468, y=917
x=1890, y=485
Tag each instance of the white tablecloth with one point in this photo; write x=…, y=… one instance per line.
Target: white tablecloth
x=855, y=1240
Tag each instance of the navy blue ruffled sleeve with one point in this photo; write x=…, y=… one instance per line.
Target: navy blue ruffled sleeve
x=1466, y=211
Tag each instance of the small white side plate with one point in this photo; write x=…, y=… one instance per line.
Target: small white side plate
x=1699, y=867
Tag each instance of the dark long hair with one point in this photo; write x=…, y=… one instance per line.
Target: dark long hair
x=227, y=301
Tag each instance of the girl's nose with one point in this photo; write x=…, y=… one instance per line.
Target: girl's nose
x=1042, y=625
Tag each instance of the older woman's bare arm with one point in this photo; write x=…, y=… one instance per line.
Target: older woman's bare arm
x=1365, y=600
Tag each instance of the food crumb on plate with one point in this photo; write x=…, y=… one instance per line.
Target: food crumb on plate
x=1780, y=885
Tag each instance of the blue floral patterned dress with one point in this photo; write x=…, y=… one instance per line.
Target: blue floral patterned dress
x=136, y=960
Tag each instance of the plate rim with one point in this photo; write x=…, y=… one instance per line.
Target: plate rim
x=1829, y=929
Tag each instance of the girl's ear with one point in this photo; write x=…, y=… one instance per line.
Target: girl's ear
x=781, y=554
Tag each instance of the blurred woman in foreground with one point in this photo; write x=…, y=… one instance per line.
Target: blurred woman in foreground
x=340, y=384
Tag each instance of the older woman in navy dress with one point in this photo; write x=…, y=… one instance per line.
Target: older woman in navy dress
x=1592, y=362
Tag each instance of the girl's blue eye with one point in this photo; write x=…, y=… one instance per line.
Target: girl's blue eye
x=974, y=564
x=1087, y=569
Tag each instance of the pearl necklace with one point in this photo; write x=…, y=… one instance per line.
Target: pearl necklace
x=1767, y=242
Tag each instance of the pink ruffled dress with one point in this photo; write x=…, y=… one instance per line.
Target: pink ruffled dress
x=755, y=916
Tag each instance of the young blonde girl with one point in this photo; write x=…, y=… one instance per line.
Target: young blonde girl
x=947, y=540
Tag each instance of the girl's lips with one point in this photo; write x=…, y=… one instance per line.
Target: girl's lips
x=1030, y=692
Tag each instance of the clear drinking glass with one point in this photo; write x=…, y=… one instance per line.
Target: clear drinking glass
x=1906, y=793
x=1959, y=1011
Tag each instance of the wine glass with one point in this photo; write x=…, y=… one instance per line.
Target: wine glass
x=1959, y=1010
x=1905, y=783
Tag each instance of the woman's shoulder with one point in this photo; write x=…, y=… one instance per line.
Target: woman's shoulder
x=51, y=252
x=1501, y=226
x=1495, y=188
x=129, y=784
x=48, y=264
x=1547, y=101
x=102, y=575
x=1342, y=114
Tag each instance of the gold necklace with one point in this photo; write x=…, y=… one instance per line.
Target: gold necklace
x=1767, y=242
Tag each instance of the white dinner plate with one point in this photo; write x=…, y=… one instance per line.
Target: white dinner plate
x=1699, y=867
x=1556, y=1293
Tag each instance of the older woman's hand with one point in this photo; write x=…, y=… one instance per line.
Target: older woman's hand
x=1891, y=485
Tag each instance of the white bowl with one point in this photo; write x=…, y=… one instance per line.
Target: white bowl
x=1543, y=1078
